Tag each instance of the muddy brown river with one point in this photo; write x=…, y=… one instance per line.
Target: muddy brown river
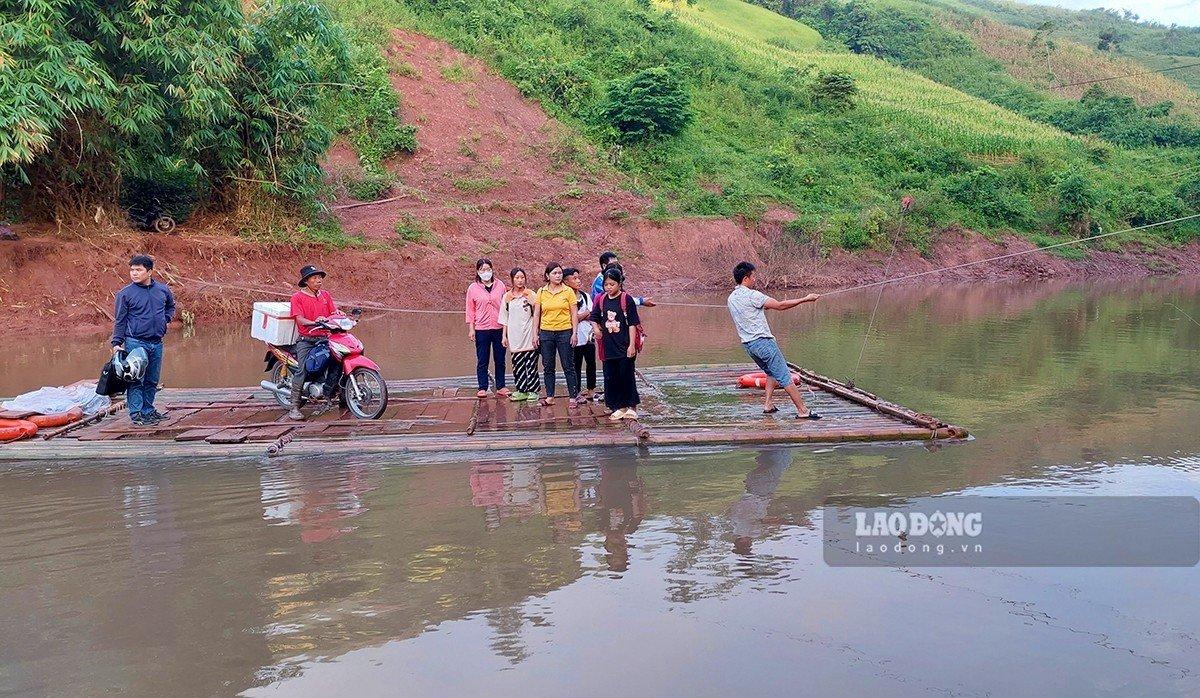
x=625, y=573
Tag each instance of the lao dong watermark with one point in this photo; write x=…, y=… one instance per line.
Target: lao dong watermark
x=1017, y=531
x=907, y=528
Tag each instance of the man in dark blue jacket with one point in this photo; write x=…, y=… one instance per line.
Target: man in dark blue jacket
x=144, y=308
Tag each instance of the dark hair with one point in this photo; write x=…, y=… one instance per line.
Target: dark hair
x=569, y=271
x=605, y=257
x=513, y=274
x=741, y=271
x=480, y=263
x=615, y=274
x=142, y=260
x=551, y=266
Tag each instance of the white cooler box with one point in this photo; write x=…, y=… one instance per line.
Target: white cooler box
x=273, y=323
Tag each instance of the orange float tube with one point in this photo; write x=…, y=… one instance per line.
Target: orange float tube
x=16, y=429
x=759, y=380
x=45, y=421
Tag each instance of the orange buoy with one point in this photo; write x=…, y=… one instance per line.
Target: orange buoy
x=759, y=380
x=16, y=429
x=44, y=421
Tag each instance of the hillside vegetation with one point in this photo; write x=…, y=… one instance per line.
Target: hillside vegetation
x=835, y=136
x=1119, y=32
x=709, y=107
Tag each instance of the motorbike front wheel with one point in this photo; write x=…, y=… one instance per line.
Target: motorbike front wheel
x=371, y=397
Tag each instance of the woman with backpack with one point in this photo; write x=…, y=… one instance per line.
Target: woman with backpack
x=619, y=332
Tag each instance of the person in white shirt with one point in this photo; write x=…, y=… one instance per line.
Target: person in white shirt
x=585, y=345
x=747, y=308
x=517, y=309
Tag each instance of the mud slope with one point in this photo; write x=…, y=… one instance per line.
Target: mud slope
x=494, y=176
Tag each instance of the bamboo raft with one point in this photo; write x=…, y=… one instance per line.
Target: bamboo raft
x=681, y=405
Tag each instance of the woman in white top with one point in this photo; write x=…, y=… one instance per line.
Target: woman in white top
x=517, y=318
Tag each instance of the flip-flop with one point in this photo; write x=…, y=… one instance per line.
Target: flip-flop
x=811, y=415
x=773, y=410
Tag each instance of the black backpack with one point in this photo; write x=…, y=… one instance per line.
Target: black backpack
x=110, y=382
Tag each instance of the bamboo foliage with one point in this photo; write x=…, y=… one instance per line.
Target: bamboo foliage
x=91, y=89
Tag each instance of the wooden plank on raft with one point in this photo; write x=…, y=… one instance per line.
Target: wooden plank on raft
x=229, y=436
x=270, y=433
x=198, y=434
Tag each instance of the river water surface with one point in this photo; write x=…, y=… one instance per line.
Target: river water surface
x=614, y=572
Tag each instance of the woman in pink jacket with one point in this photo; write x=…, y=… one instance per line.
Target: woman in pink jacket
x=483, y=326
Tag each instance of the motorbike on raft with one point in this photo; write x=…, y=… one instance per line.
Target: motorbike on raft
x=347, y=376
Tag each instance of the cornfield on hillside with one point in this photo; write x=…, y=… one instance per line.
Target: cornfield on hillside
x=890, y=94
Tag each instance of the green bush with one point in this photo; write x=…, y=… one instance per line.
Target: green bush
x=411, y=230
x=1188, y=191
x=372, y=186
x=651, y=103
x=834, y=91
x=567, y=84
x=780, y=165
x=1076, y=196
x=478, y=185
x=992, y=197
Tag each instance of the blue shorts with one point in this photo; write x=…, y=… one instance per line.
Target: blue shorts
x=766, y=353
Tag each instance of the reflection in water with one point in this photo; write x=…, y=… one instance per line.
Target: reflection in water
x=749, y=512
x=319, y=505
x=622, y=504
x=519, y=574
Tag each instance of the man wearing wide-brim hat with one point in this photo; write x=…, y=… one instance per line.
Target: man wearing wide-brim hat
x=310, y=305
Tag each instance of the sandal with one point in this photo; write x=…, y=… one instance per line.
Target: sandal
x=811, y=415
x=773, y=410
x=481, y=394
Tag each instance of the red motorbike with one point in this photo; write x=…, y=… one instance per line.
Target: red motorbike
x=347, y=376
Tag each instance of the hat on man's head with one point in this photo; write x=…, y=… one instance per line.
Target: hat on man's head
x=308, y=271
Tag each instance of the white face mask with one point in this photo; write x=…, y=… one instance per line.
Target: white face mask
x=485, y=276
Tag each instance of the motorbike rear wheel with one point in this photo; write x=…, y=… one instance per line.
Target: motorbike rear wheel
x=284, y=383
x=371, y=398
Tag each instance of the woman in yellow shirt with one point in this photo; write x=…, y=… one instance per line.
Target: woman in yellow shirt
x=557, y=326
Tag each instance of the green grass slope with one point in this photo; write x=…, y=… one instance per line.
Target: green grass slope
x=758, y=23
x=762, y=132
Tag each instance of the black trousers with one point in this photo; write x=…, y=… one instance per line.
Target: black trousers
x=488, y=345
x=620, y=383
x=586, y=354
x=558, y=344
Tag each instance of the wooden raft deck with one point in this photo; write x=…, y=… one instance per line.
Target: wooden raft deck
x=698, y=405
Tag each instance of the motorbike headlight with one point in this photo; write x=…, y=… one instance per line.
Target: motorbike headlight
x=339, y=349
